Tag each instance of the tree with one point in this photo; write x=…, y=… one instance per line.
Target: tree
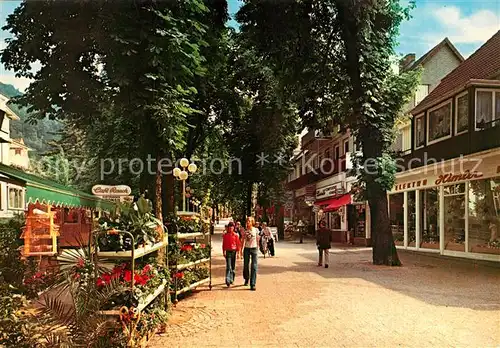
x=121, y=73
x=332, y=59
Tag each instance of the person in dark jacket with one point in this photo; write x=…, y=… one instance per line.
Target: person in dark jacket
x=323, y=241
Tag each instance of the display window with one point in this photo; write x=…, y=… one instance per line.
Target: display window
x=484, y=216
x=396, y=216
x=454, y=217
x=429, y=218
x=411, y=211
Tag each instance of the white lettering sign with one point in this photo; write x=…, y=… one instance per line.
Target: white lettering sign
x=107, y=190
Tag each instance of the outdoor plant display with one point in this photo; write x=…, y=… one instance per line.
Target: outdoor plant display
x=136, y=218
x=191, y=252
x=146, y=281
x=189, y=276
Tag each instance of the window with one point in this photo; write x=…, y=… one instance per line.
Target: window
x=397, y=145
x=17, y=151
x=439, y=123
x=484, y=215
x=337, y=151
x=346, y=146
x=487, y=108
x=396, y=216
x=462, y=114
x=421, y=93
x=16, y=199
x=419, y=131
x=454, y=217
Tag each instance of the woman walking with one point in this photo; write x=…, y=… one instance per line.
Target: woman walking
x=250, y=253
x=230, y=248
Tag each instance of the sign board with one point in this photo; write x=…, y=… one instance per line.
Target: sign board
x=115, y=191
x=300, y=192
x=330, y=191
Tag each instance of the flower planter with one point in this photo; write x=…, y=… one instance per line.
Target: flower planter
x=429, y=245
x=399, y=242
x=455, y=246
x=139, y=252
x=483, y=249
x=412, y=244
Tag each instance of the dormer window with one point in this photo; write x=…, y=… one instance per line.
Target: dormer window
x=487, y=108
x=439, y=123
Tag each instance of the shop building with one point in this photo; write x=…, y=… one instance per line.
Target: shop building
x=446, y=199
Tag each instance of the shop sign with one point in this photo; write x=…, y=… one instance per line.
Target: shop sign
x=411, y=184
x=107, y=190
x=330, y=190
x=451, y=177
x=127, y=199
x=300, y=192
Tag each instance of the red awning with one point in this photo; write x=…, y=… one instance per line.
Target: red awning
x=334, y=204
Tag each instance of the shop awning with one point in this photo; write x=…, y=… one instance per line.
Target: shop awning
x=50, y=192
x=335, y=203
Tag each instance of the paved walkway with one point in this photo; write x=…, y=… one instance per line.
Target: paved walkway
x=427, y=302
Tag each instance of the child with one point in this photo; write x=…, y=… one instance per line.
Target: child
x=230, y=248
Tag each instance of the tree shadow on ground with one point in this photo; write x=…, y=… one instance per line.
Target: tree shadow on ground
x=435, y=280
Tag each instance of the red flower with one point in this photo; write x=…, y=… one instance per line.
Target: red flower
x=100, y=282
x=76, y=276
x=127, y=276
x=117, y=271
x=187, y=247
x=203, y=246
x=141, y=280
x=80, y=263
x=38, y=275
x=107, y=278
x=147, y=269
x=179, y=275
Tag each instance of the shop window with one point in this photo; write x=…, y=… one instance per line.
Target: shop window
x=411, y=211
x=487, y=109
x=16, y=199
x=454, y=217
x=396, y=216
x=335, y=221
x=439, y=123
x=429, y=218
x=419, y=131
x=484, y=216
x=462, y=114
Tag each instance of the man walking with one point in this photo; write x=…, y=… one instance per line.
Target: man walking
x=323, y=241
x=250, y=243
x=230, y=248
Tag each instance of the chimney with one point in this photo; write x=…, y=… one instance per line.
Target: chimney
x=406, y=61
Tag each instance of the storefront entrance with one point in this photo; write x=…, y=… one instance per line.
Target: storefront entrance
x=356, y=219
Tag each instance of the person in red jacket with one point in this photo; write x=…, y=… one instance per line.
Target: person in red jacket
x=230, y=247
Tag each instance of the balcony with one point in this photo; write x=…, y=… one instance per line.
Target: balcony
x=328, y=169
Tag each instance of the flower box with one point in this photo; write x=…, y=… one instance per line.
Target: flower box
x=412, y=244
x=399, y=242
x=139, y=252
x=455, y=246
x=483, y=249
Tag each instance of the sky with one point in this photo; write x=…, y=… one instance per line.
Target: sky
x=467, y=23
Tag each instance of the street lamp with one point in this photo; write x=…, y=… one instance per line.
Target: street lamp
x=182, y=174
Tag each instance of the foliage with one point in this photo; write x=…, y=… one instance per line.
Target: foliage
x=332, y=59
x=136, y=218
x=189, y=276
x=12, y=268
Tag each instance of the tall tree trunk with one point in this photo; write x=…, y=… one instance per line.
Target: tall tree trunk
x=384, y=250
x=168, y=192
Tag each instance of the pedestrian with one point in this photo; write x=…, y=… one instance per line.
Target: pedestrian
x=241, y=233
x=323, y=241
x=266, y=231
x=231, y=248
x=250, y=253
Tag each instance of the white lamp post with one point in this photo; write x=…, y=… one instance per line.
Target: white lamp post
x=182, y=174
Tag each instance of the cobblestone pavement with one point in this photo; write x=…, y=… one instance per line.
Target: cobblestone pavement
x=428, y=302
